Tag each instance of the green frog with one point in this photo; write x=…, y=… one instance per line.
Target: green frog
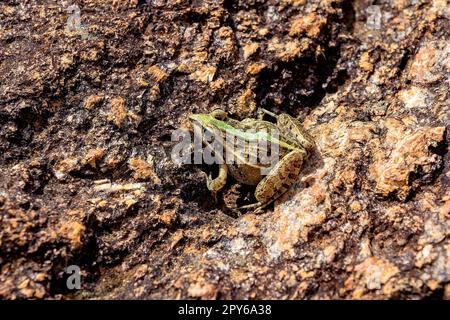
x=287, y=136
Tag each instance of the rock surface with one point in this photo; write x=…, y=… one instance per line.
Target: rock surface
x=88, y=104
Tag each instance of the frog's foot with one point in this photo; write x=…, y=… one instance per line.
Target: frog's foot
x=257, y=207
x=216, y=184
x=268, y=113
x=210, y=184
x=234, y=211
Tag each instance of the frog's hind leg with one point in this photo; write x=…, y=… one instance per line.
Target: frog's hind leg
x=280, y=178
x=292, y=130
x=294, y=133
x=278, y=181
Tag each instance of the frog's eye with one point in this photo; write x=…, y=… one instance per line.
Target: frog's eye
x=219, y=114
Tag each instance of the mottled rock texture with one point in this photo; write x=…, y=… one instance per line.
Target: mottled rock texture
x=86, y=178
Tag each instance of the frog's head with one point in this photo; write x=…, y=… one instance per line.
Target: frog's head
x=204, y=120
x=215, y=119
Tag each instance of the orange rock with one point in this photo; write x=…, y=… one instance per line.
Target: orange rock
x=263, y=32
x=373, y=273
x=140, y=271
x=345, y=178
x=118, y=111
x=93, y=101
x=422, y=64
x=238, y=275
x=310, y=24
x=250, y=49
x=143, y=170
x=168, y=217
x=414, y=97
x=431, y=62
x=393, y=176
x=330, y=253
x=73, y=231
x=447, y=292
x=255, y=68
x=217, y=84
x=250, y=225
x=39, y=292
x=445, y=209
x=27, y=292
x=426, y=256
x=124, y=4
x=204, y=74
x=203, y=290
x=296, y=3
x=289, y=50
x=355, y=206
x=93, y=155
x=41, y=277
x=364, y=62
x=157, y=73
x=433, y=284
x=66, y=61
x=246, y=101
x=65, y=166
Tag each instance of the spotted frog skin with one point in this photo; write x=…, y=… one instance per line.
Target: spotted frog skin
x=294, y=146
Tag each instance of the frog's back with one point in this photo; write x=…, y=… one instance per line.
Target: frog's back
x=254, y=158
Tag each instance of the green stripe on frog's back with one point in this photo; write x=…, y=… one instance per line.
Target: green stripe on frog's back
x=208, y=121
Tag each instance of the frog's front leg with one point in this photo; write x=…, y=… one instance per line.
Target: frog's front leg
x=216, y=184
x=279, y=179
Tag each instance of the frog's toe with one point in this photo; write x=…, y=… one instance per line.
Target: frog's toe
x=259, y=210
x=250, y=206
x=257, y=207
x=209, y=181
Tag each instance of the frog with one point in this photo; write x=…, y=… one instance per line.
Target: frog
x=293, y=142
